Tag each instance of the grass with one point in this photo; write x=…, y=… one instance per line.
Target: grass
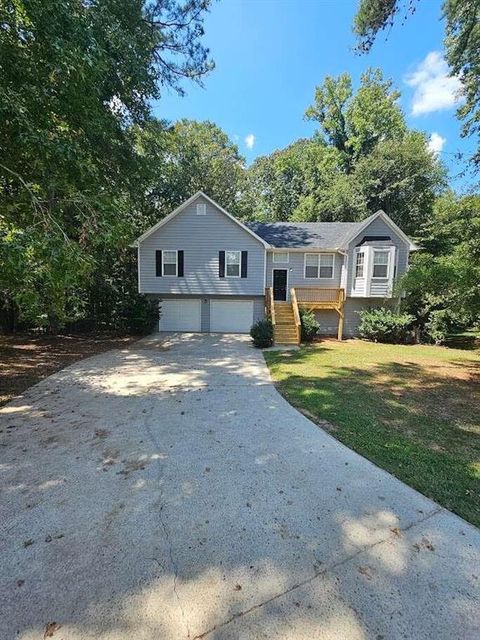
x=412, y=410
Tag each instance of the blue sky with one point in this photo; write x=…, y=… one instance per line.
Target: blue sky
x=270, y=55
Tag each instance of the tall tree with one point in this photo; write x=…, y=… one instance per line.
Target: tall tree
x=462, y=46
x=74, y=77
x=354, y=122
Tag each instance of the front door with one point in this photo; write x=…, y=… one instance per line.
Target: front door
x=279, y=284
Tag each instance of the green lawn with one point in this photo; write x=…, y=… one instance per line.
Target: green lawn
x=413, y=410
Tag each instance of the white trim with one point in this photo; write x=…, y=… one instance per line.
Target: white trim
x=201, y=209
x=287, y=292
x=359, y=251
x=188, y=202
x=139, y=281
x=381, y=214
x=278, y=252
x=318, y=253
x=169, y=275
x=388, y=251
x=239, y=262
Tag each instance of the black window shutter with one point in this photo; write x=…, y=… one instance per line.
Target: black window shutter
x=180, y=264
x=244, y=264
x=158, y=259
x=221, y=264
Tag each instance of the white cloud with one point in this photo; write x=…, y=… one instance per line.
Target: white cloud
x=435, y=90
x=250, y=141
x=436, y=143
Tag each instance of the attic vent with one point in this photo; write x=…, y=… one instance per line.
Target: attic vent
x=201, y=209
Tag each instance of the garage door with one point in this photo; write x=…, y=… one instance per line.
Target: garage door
x=180, y=315
x=231, y=316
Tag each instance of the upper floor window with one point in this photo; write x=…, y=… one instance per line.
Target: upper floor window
x=169, y=266
x=381, y=261
x=281, y=256
x=232, y=264
x=319, y=265
x=360, y=264
x=201, y=209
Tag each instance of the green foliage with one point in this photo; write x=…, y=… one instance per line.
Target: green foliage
x=310, y=325
x=363, y=158
x=383, y=325
x=443, y=282
x=355, y=122
x=402, y=178
x=262, y=334
x=76, y=81
x=462, y=47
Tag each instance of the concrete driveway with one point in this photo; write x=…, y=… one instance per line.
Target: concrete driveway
x=167, y=491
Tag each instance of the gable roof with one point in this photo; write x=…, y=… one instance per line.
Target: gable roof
x=300, y=235
x=330, y=236
x=184, y=205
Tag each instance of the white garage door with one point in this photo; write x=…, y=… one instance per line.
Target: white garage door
x=231, y=316
x=180, y=315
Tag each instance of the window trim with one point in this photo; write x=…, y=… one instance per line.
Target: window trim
x=277, y=253
x=318, y=277
x=388, y=265
x=170, y=275
x=360, y=252
x=227, y=251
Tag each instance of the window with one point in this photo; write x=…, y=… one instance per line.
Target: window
x=319, y=265
x=232, y=264
x=380, y=264
x=281, y=256
x=201, y=209
x=169, y=263
x=359, y=265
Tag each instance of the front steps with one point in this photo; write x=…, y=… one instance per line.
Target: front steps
x=285, y=331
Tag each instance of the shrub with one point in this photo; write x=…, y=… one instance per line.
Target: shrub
x=262, y=334
x=439, y=325
x=310, y=325
x=383, y=325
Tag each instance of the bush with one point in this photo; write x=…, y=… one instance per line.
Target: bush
x=310, y=325
x=262, y=334
x=439, y=325
x=383, y=325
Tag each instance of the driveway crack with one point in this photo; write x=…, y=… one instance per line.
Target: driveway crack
x=166, y=534
x=316, y=575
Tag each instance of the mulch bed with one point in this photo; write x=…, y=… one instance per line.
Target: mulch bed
x=25, y=359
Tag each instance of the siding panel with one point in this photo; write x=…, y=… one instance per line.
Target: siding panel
x=295, y=268
x=201, y=238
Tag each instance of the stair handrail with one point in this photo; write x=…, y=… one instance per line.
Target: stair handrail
x=272, y=306
x=296, y=314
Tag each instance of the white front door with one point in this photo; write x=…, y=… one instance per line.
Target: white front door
x=180, y=315
x=231, y=316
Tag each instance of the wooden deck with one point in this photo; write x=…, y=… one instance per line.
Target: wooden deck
x=312, y=298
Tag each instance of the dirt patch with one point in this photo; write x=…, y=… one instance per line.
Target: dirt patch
x=26, y=359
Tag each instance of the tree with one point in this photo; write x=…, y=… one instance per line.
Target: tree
x=462, y=46
x=402, y=177
x=355, y=122
x=74, y=78
x=186, y=157
x=443, y=282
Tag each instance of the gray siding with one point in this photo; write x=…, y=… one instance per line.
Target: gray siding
x=328, y=320
x=379, y=228
x=201, y=238
x=295, y=267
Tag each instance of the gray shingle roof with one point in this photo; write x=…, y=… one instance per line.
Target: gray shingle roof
x=293, y=235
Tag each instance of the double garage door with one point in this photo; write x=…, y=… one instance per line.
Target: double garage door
x=228, y=316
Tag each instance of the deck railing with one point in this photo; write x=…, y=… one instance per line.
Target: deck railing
x=296, y=314
x=316, y=294
x=270, y=304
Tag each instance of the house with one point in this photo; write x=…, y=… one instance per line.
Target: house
x=212, y=272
